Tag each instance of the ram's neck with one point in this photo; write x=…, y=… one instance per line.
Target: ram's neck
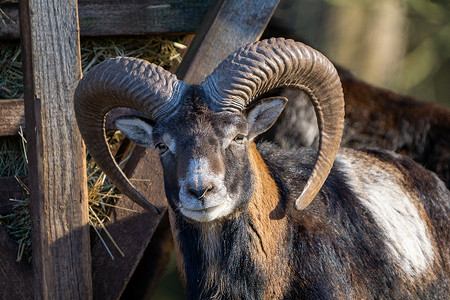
x=246, y=255
x=268, y=228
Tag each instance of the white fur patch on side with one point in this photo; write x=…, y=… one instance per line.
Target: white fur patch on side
x=379, y=189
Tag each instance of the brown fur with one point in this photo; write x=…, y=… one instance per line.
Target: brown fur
x=270, y=229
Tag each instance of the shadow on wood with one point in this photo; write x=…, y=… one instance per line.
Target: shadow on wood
x=16, y=278
x=131, y=230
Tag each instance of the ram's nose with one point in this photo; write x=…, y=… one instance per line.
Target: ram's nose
x=202, y=191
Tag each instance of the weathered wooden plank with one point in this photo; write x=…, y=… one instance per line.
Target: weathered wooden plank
x=57, y=171
x=15, y=277
x=11, y=116
x=115, y=17
x=132, y=231
x=153, y=264
x=118, y=17
x=228, y=26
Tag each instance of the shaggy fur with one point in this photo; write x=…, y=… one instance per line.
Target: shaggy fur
x=335, y=249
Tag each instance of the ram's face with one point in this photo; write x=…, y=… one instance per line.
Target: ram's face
x=204, y=157
x=204, y=154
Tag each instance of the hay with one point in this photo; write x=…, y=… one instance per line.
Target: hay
x=160, y=50
x=18, y=226
x=102, y=196
x=12, y=160
x=11, y=77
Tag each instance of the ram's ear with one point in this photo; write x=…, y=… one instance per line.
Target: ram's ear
x=137, y=129
x=264, y=114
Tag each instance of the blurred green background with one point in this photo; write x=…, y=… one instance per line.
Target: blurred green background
x=400, y=45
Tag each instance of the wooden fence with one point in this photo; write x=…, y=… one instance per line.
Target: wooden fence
x=66, y=264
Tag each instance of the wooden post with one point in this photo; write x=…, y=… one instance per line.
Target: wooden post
x=57, y=171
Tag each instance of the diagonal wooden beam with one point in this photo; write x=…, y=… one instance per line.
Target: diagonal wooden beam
x=228, y=25
x=131, y=231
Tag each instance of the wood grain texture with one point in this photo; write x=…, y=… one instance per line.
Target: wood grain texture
x=117, y=17
x=57, y=171
x=132, y=231
x=11, y=116
x=15, y=277
x=228, y=25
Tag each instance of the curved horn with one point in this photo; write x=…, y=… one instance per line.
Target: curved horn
x=122, y=82
x=259, y=67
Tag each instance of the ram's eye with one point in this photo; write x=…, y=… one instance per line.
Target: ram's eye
x=239, y=138
x=162, y=148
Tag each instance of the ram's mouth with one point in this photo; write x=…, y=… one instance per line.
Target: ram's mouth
x=205, y=214
x=206, y=210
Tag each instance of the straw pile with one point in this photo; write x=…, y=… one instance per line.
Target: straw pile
x=11, y=78
x=102, y=194
x=162, y=51
x=159, y=50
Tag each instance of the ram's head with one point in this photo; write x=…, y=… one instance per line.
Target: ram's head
x=204, y=132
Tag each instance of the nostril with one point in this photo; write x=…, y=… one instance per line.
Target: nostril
x=200, y=193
